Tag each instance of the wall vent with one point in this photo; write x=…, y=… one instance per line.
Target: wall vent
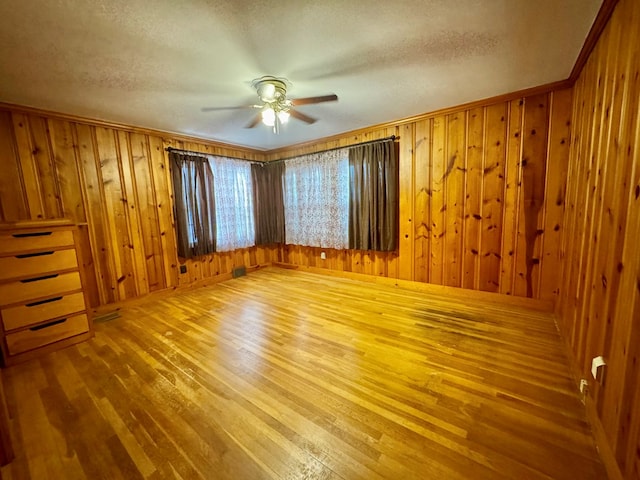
x=239, y=272
x=106, y=317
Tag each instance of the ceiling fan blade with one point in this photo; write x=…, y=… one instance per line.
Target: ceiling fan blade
x=255, y=121
x=302, y=116
x=310, y=100
x=213, y=109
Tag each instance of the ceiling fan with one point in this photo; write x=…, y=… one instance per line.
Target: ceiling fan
x=276, y=108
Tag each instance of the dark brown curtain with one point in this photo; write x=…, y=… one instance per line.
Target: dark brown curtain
x=268, y=204
x=194, y=204
x=373, y=197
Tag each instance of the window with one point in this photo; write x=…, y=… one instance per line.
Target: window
x=316, y=200
x=344, y=198
x=233, y=203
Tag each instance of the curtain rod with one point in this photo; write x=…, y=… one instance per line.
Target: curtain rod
x=205, y=155
x=379, y=140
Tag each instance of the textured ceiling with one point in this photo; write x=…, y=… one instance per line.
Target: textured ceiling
x=156, y=63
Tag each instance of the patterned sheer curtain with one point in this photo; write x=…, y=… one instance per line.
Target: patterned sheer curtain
x=233, y=203
x=316, y=200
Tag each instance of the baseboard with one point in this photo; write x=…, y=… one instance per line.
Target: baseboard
x=602, y=442
x=491, y=297
x=159, y=294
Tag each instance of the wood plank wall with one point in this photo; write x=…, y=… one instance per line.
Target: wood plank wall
x=481, y=198
x=599, y=307
x=115, y=183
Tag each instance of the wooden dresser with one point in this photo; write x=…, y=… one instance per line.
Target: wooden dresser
x=42, y=304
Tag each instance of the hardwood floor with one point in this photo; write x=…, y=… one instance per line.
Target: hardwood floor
x=289, y=375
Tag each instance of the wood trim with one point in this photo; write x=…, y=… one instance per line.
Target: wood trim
x=546, y=88
x=166, y=292
x=261, y=155
x=250, y=153
x=475, y=295
x=602, y=442
x=602, y=19
x=600, y=22
x=6, y=448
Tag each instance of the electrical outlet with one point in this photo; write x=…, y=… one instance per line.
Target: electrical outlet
x=598, y=366
x=583, y=386
x=323, y=255
x=183, y=269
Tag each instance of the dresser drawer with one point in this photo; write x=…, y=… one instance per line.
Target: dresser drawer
x=32, y=264
x=36, y=312
x=41, y=335
x=39, y=287
x=35, y=240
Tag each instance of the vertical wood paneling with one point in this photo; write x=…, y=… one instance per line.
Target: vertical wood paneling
x=116, y=185
x=407, y=175
x=13, y=204
x=66, y=168
x=580, y=188
x=160, y=173
x=96, y=214
x=438, y=205
x=73, y=201
x=147, y=210
x=534, y=160
x=493, y=179
x=43, y=159
x=594, y=278
x=599, y=304
x=473, y=208
x=559, y=143
x=475, y=202
x=618, y=414
x=462, y=200
x=132, y=214
x=116, y=215
x=28, y=170
x=422, y=218
x=513, y=168
x=611, y=214
x=454, y=177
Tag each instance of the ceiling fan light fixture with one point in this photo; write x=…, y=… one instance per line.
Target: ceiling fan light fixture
x=269, y=116
x=283, y=116
x=266, y=92
x=270, y=88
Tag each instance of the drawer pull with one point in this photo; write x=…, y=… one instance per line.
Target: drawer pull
x=28, y=255
x=31, y=234
x=47, y=325
x=41, y=302
x=28, y=280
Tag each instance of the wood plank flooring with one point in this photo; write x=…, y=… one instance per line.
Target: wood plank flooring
x=290, y=375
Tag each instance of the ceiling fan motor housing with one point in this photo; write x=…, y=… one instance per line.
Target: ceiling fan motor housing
x=271, y=89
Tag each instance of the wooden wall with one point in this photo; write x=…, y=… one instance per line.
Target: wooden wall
x=481, y=198
x=114, y=182
x=599, y=306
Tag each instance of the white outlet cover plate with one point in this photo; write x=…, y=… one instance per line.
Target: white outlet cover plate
x=596, y=363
